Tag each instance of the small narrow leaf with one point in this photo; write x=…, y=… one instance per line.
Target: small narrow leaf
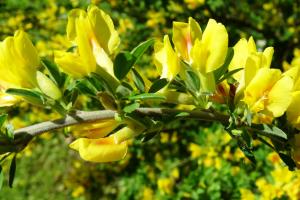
x=192, y=80
x=182, y=114
x=138, y=51
x=132, y=107
x=270, y=131
x=3, y=118
x=85, y=87
x=218, y=73
x=122, y=64
x=157, y=85
x=29, y=95
x=9, y=129
x=12, y=172
x=138, y=80
x=53, y=71
x=147, y=96
x=247, y=139
x=229, y=74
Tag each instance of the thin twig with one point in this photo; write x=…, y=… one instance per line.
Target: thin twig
x=80, y=117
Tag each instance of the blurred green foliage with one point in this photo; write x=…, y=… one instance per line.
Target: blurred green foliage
x=186, y=162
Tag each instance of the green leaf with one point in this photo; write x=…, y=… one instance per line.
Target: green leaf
x=192, y=80
x=288, y=161
x=1, y=177
x=157, y=85
x=229, y=74
x=53, y=71
x=138, y=51
x=132, y=107
x=3, y=118
x=9, y=129
x=149, y=136
x=123, y=92
x=218, y=73
x=122, y=64
x=148, y=96
x=85, y=87
x=29, y=95
x=138, y=80
x=12, y=171
x=247, y=138
x=270, y=131
x=182, y=114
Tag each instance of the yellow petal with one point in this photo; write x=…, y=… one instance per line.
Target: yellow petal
x=127, y=133
x=280, y=96
x=199, y=55
x=215, y=40
x=84, y=40
x=242, y=49
x=26, y=51
x=267, y=56
x=251, y=45
x=166, y=59
x=239, y=58
x=102, y=58
x=71, y=26
x=7, y=100
x=293, y=111
x=96, y=129
x=256, y=93
x=181, y=39
x=294, y=73
x=100, y=150
x=195, y=30
x=18, y=61
x=104, y=30
x=252, y=65
x=71, y=63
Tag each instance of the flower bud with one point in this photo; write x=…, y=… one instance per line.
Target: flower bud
x=47, y=86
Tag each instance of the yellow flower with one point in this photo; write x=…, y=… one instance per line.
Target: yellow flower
x=209, y=52
x=184, y=36
x=204, y=52
x=165, y=59
x=78, y=191
x=147, y=194
x=108, y=149
x=246, y=194
x=94, y=34
x=165, y=185
x=195, y=149
x=18, y=62
x=268, y=94
x=100, y=150
x=246, y=56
